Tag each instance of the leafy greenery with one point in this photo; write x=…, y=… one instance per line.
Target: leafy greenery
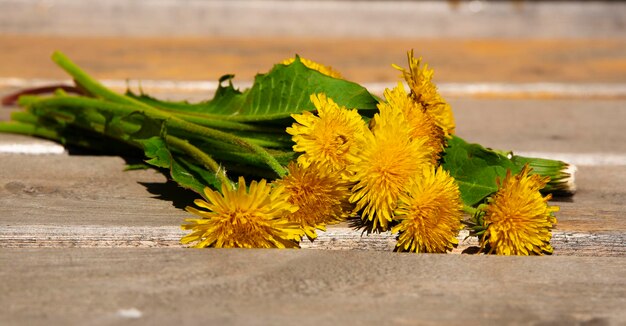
x=181, y=137
x=242, y=131
x=283, y=91
x=475, y=169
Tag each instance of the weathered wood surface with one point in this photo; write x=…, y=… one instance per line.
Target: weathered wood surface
x=87, y=190
x=360, y=59
x=328, y=19
x=165, y=286
x=341, y=237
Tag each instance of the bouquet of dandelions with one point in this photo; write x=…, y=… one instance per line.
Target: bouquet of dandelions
x=331, y=152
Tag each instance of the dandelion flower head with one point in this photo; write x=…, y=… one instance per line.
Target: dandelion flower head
x=421, y=124
x=429, y=213
x=518, y=218
x=424, y=92
x=321, y=196
x=331, y=137
x=326, y=70
x=386, y=163
x=242, y=218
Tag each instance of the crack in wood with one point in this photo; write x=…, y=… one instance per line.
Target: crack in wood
x=335, y=238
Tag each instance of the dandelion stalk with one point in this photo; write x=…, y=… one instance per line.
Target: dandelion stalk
x=562, y=175
x=79, y=103
x=91, y=85
x=65, y=136
x=469, y=210
x=17, y=127
x=98, y=90
x=216, y=134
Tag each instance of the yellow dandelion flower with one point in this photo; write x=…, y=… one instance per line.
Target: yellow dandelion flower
x=241, y=218
x=330, y=137
x=385, y=165
x=321, y=196
x=424, y=92
x=420, y=123
x=518, y=219
x=326, y=70
x=429, y=213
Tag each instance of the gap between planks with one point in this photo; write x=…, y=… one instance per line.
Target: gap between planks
x=489, y=90
x=39, y=147
x=566, y=243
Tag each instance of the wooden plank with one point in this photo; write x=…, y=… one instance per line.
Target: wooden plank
x=374, y=19
x=310, y=287
x=82, y=189
x=340, y=237
x=20, y=144
x=558, y=126
x=61, y=200
x=50, y=189
x=359, y=59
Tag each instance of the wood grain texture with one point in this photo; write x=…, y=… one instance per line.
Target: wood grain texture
x=89, y=201
x=333, y=19
x=83, y=189
x=568, y=126
x=359, y=59
x=340, y=237
x=173, y=286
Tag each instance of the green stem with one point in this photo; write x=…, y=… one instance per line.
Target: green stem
x=469, y=210
x=91, y=85
x=170, y=120
x=228, y=138
x=200, y=156
x=30, y=130
x=98, y=90
x=24, y=116
x=233, y=118
x=219, y=121
x=560, y=173
x=243, y=158
x=92, y=121
x=265, y=142
x=65, y=136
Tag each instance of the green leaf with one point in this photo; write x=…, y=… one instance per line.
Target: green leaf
x=561, y=179
x=475, y=169
x=192, y=176
x=136, y=166
x=185, y=172
x=286, y=89
x=157, y=153
x=150, y=127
